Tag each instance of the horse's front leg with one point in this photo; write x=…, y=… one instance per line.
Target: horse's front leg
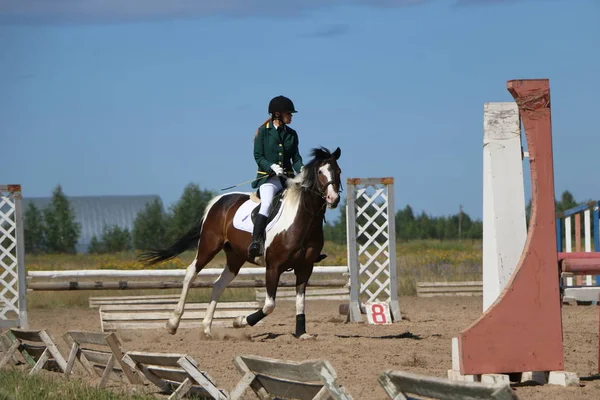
x=300, y=315
x=272, y=277
x=301, y=282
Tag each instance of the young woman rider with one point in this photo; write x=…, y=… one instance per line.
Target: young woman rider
x=277, y=156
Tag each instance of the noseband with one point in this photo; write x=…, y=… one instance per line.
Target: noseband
x=323, y=189
x=331, y=183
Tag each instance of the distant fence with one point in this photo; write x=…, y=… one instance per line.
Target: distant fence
x=432, y=289
x=579, y=226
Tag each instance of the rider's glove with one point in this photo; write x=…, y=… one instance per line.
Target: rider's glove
x=277, y=169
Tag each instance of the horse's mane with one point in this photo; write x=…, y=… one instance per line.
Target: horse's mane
x=307, y=179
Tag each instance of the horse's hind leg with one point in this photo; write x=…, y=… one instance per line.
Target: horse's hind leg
x=272, y=277
x=234, y=263
x=207, y=250
x=190, y=275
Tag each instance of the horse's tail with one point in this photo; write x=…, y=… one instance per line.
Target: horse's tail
x=155, y=256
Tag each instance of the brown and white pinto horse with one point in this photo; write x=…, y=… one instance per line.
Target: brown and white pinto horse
x=293, y=242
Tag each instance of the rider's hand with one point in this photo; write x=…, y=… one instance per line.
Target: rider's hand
x=277, y=169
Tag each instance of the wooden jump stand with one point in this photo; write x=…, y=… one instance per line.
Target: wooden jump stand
x=521, y=332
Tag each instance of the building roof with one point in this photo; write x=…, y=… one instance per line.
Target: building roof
x=94, y=212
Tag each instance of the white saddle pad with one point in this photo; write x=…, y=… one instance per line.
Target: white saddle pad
x=243, y=221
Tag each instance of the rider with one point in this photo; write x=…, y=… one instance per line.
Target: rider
x=276, y=153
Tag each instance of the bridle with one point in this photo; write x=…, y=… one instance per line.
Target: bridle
x=322, y=193
x=323, y=188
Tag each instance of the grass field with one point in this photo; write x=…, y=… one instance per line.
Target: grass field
x=416, y=261
x=17, y=385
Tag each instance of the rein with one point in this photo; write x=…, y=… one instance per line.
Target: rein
x=319, y=193
x=323, y=194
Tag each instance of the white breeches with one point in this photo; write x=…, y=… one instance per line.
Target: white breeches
x=267, y=191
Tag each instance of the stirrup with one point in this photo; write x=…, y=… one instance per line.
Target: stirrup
x=255, y=247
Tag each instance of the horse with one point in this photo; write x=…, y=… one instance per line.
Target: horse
x=293, y=241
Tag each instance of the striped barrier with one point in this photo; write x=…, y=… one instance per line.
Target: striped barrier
x=578, y=230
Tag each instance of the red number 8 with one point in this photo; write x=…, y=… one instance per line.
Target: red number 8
x=378, y=313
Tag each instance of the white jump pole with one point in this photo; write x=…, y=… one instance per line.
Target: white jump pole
x=166, y=273
x=504, y=224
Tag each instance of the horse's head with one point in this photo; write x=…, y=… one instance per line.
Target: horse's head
x=323, y=175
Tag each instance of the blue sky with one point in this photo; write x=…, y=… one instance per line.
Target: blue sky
x=143, y=97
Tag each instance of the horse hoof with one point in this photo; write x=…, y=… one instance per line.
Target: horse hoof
x=171, y=327
x=240, y=322
x=306, y=336
x=207, y=331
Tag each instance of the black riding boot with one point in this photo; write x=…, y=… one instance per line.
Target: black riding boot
x=258, y=237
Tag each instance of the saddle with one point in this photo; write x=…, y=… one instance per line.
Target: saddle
x=272, y=212
x=273, y=209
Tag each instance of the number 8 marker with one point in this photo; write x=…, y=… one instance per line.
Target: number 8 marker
x=378, y=313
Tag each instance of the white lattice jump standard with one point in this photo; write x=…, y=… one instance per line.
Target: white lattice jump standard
x=371, y=234
x=13, y=304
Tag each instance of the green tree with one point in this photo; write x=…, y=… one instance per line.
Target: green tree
x=96, y=246
x=405, y=222
x=336, y=231
x=114, y=239
x=475, y=231
x=62, y=231
x=567, y=201
x=188, y=210
x=34, y=230
x=150, y=227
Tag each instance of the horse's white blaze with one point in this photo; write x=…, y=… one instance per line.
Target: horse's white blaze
x=332, y=196
x=299, y=303
x=269, y=305
x=224, y=279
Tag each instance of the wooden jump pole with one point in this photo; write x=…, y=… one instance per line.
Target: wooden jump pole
x=169, y=273
x=522, y=330
x=124, y=284
x=504, y=222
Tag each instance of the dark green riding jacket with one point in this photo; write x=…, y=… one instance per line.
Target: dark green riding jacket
x=276, y=147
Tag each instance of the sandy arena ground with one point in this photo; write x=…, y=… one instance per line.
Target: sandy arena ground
x=358, y=352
